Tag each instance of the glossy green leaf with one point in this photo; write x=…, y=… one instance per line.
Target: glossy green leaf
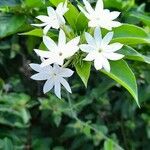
x=56, y=2
x=71, y=15
x=132, y=54
x=81, y=23
x=10, y=24
x=121, y=73
x=130, y=34
x=142, y=17
x=83, y=71
x=108, y=145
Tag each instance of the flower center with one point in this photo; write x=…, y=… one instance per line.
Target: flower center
x=60, y=54
x=100, y=50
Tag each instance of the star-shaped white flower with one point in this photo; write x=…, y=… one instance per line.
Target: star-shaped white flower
x=55, y=18
x=100, y=51
x=100, y=17
x=55, y=77
x=58, y=52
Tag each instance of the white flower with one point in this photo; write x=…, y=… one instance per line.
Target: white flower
x=54, y=19
x=100, y=17
x=100, y=50
x=55, y=77
x=58, y=53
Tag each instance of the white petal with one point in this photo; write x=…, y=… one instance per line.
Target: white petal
x=93, y=23
x=115, y=24
x=74, y=41
x=46, y=29
x=39, y=25
x=86, y=48
x=40, y=76
x=47, y=62
x=49, y=84
x=51, y=12
x=113, y=56
x=84, y=12
x=41, y=53
x=49, y=43
x=88, y=6
x=114, y=14
x=113, y=47
x=108, y=37
x=98, y=64
x=98, y=36
x=65, y=84
x=99, y=6
x=90, y=57
x=65, y=72
x=90, y=40
x=43, y=18
x=55, y=24
x=57, y=89
x=62, y=38
x=106, y=64
x=35, y=67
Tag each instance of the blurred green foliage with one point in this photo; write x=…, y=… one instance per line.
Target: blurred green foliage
x=101, y=116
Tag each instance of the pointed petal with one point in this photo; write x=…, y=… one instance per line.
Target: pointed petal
x=49, y=84
x=51, y=12
x=90, y=57
x=88, y=6
x=90, y=40
x=98, y=36
x=93, y=23
x=49, y=43
x=41, y=53
x=115, y=24
x=108, y=37
x=47, y=62
x=43, y=18
x=57, y=89
x=98, y=64
x=46, y=29
x=99, y=6
x=106, y=64
x=62, y=38
x=113, y=56
x=113, y=47
x=40, y=76
x=35, y=67
x=114, y=14
x=65, y=84
x=86, y=48
x=39, y=25
x=84, y=12
x=65, y=72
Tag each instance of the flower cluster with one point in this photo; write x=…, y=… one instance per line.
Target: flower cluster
x=97, y=48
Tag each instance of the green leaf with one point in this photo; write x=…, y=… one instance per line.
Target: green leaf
x=130, y=34
x=132, y=54
x=10, y=24
x=83, y=70
x=142, y=17
x=81, y=23
x=34, y=3
x=38, y=33
x=71, y=15
x=56, y=2
x=121, y=73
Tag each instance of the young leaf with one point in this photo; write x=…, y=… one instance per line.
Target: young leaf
x=121, y=73
x=83, y=71
x=130, y=34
